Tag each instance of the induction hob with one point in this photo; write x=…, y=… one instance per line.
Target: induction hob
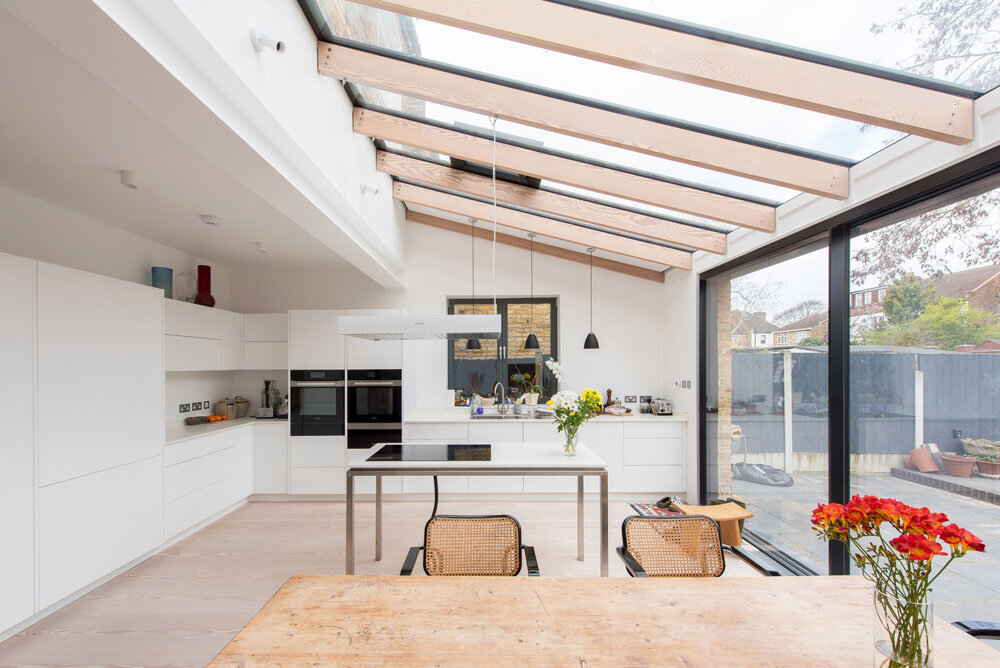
x=432, y=452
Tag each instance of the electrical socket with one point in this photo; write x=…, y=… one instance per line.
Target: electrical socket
x=207, y=404
x=196, y=406
x=184, y=408
x=630, y=398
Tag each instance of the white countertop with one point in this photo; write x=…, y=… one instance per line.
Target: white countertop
x=461, y=414
x=177, y=432
x=503, y=456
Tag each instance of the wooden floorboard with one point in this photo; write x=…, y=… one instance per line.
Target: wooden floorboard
x=181, y=606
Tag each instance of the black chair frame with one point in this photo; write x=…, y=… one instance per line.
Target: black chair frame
x=529, y=552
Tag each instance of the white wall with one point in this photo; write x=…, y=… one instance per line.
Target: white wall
x=37, y=229
x=630, y=316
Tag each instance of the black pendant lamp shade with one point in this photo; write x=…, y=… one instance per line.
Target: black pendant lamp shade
x=473, y=344
x=590, y=343
x=531, y=343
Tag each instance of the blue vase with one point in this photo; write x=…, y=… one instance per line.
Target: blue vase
x=163, y=278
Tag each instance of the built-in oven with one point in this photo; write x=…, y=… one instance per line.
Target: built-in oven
x=374, y=407
x=317, y=403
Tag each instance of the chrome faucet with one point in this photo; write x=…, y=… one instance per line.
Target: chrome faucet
x=502, y=409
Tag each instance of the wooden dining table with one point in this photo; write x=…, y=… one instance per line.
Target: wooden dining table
x=338, y=620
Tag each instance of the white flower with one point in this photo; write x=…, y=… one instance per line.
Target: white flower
x=565, y=400
x=556, y=370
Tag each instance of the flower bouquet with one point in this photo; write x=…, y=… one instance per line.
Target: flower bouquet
x=572, y=409
x=900, y=567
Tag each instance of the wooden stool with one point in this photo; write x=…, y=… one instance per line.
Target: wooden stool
x=728, y=515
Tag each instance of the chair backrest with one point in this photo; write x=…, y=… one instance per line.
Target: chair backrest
x=681, y=546
x=472, y=545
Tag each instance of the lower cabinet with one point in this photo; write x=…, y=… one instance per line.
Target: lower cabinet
x=270, y=458
x=318, y=480
x=91, y=525
x=206, y=475
x=317, y=464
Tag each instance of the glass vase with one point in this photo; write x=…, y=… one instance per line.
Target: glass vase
x=903, y=632
x=569, y=446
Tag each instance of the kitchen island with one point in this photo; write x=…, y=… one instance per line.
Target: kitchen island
x=506, y=459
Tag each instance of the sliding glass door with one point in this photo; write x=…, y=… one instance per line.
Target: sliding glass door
x=767, y=401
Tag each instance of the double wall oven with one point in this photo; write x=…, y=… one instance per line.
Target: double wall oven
x=374, y=407
x=316, y=403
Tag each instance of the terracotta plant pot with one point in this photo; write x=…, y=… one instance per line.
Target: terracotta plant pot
x=988, y=468
x=958, y=466
x=923, y=460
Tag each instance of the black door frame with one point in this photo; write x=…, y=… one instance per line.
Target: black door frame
x=976, y=174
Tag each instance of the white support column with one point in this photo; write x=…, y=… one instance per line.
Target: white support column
x=789, y=450
x=918, y=403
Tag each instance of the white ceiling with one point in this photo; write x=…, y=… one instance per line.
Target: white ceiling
x=65, y=135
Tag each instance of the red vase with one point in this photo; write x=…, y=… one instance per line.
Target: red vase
x=204, y=296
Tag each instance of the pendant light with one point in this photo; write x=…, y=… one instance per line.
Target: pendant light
x=531, y=343
x=591, y=341
x=473, y=344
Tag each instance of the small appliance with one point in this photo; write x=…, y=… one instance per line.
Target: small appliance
x=661, y=406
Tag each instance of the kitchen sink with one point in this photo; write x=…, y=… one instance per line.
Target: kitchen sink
x=511, y=416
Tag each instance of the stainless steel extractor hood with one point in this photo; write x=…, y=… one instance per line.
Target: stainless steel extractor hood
x=420, y=327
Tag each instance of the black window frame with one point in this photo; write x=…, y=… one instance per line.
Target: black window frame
x=972, y=176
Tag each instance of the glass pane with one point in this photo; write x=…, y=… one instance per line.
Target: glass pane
x=925, y=369
x=943, y=40
x=473, y=371
x=526, y=370
x=610, y=84
x=767, y=397
x=466, y=121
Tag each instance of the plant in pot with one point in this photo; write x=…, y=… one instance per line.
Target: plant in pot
x=899, y=567
x=529, y=389
x=959, y=466
x=989, y=466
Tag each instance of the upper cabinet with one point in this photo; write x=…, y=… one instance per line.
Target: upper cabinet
x=265, y=341
x=187, y=319
x=367, y=354
x=314, y=340
x=100, y=372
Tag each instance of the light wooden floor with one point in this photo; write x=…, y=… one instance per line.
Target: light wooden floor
x=181, y=606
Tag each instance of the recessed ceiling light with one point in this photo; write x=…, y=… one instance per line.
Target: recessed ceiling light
x=128, y=179
x=209, y=219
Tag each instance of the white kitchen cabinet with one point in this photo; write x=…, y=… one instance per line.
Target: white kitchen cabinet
x=605, y=439
x=265, y=355
x=187, y=319
x=265, y=327
x=366, y=354
x=17, y=440
x=315, y=341
x=310, y=451
x=495, y=432
x=91, y=525
x=187, y=353
x=436, y=432
x=659, y=479
x=542, y=432
x=654, y=452
x=270, y=458
x=654, y=457
x=208, y=475
x=231, y=343
x=318, y=480
x=100, y=373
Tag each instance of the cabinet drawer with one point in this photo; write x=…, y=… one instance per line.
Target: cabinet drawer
x=189, y=510
x=265, y=327
x=654, y=430
x=203, y=445
x=659, y=479
x=265, y=355
x=656, y=451
x=185, y=353
x=196, y=474
x=541, y=432
x=310, y=451
x=436, y=431
x=495, y=432
x=318, y=480
x=186, y=319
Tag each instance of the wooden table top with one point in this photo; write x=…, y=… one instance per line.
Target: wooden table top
x=336, y=620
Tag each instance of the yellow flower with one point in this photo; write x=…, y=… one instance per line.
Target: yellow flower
x=590, y=394
x=548, y=403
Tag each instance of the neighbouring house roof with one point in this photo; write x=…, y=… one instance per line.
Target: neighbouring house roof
x=866, y=309
x=961, y=284
x=989, y=345
x=742, y=323
x=807, y=322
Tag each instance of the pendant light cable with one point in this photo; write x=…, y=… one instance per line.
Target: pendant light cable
x=591, y=251
x=493, y=122
x=472, y=255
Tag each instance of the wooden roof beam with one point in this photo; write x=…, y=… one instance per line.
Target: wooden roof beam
x=544, y=249
x=550, y=202
x=564, y=170
x=709, y=151
x=735, y=68
x=545, y=227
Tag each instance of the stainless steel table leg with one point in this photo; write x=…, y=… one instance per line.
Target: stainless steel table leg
x=378, y=518
x=579, y=518
x=604, y=524
x=349, y=509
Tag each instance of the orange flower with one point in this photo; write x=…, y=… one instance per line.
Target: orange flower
x=960, y=540
x=828, y=515
x=917, y=547
x=923, y=521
